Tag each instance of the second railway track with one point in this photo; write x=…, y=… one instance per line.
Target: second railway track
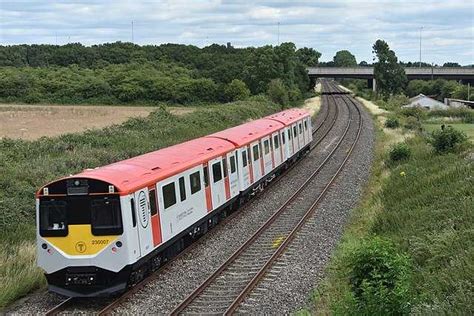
x=229, y=285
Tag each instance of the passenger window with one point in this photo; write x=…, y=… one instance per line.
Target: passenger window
x=195, y=181
x=169, y=195
x=276, y=141
x=244, y=158
x=182, y=189
x=266, y=145
x=206, y=177
x=232, y=164
x=152, y=196
x=289, y=134
x=255, y=153
x=216, y=172
x=305, y=125
x=283, y=138
x=224, y=164
x=301, y=128
x=294, y=131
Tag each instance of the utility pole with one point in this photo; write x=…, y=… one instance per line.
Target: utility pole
x=421, y=28
x=132, y=33
x=278, y=33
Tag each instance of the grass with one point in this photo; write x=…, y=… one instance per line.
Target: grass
x=423, y=206
x=26, y=165
x=466, y=128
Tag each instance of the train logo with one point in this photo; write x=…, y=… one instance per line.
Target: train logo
x=143, y=208
x=81, y=246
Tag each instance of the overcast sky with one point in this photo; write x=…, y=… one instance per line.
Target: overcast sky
x=327, y=26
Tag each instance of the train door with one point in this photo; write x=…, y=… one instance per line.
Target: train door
x=130, y=216
x=300, y=134
x=290, y=146
x=256, y=166
x=217, y=182
x=283, y=144
x=168, y=205
x=232, y=173
x=277, y=149
x=295, y=142
x=267, y=155
x=142, y=207
x=244, y=168
x=309, y=131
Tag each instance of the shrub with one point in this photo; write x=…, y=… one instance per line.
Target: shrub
x=236, y=90
x=399, y=152
x=447, y=139
x=392, y=122
x=379, y=278
x=416, y=112
x=277, y=92
x=412, y=123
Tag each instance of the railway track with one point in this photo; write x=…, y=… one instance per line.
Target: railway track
x=102, y=306
x=223, y=291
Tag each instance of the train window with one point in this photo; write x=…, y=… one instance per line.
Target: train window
x=182, y=189
x=206, y=177
x=216, y=172
x=289, y=134
x=195, y=180
x=244, y=158
x=169, y=195
x=134, y=217
x=224, y=166
x=152, y=197
x=283, y=138
x=305, y=125
x=276, y=141
x=266, y=146
x=301, y=128
x=271, y=143
x=255, y=153
x=53, y=218
x=294, y=131
x=232, y=164
x=105, y=217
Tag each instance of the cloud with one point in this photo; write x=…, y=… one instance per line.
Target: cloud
x=328, y=26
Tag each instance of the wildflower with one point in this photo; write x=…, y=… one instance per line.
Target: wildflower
x=402, y=173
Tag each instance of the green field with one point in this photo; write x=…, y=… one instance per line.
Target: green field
x=26, y=165
x=466, y=128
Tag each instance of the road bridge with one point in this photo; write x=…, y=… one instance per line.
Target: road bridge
x=464, y=74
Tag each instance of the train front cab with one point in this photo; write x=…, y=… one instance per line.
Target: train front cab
x=81, y=243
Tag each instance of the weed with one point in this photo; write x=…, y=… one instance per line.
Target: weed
x=399, y=152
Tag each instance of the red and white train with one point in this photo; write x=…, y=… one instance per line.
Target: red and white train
x=104, y=229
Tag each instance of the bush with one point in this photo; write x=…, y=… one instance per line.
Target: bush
x=278, y=92
x=447, y=139
x=399, y=152
x=379, y=278
x=412, y=123
x=236, y=90
x=415, y=112
x=392, y=122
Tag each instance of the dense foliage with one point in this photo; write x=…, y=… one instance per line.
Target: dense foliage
x=447, y=139
x=388, y=73
x=344, y=58
x=125, y=72
x=439, y=88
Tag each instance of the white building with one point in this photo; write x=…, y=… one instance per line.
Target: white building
x=422, y=101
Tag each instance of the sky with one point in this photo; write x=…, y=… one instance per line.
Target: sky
x=447, y=27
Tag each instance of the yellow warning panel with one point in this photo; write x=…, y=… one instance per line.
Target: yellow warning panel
x=80, y=241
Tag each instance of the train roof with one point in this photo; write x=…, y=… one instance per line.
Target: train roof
x=137, y=172
x=249, y=132
x=289, y=116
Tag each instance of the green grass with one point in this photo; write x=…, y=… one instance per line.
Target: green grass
x=424, y=206
x=466, y=128
x=26, y=165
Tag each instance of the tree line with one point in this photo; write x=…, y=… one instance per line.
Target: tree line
x=125, y=72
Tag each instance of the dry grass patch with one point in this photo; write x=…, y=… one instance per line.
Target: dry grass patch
x=312, y=105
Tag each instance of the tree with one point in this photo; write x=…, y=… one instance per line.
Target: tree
x=308, y=56
x=451, y=64
x=278, y=92
x=344, y=58
x=389, y=74
x=363, y=64
x=236, y=90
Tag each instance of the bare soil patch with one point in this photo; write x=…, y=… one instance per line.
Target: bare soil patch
x=34, y=121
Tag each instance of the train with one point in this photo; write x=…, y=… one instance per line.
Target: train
x=104, y=230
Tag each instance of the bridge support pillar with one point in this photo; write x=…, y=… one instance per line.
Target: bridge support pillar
x=372, y=84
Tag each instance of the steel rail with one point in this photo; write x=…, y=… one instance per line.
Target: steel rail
x=184, y=304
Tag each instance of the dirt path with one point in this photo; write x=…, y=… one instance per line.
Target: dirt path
x=34, y=121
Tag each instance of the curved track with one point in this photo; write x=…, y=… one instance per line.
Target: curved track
x=103, y=306
x=230, y=284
